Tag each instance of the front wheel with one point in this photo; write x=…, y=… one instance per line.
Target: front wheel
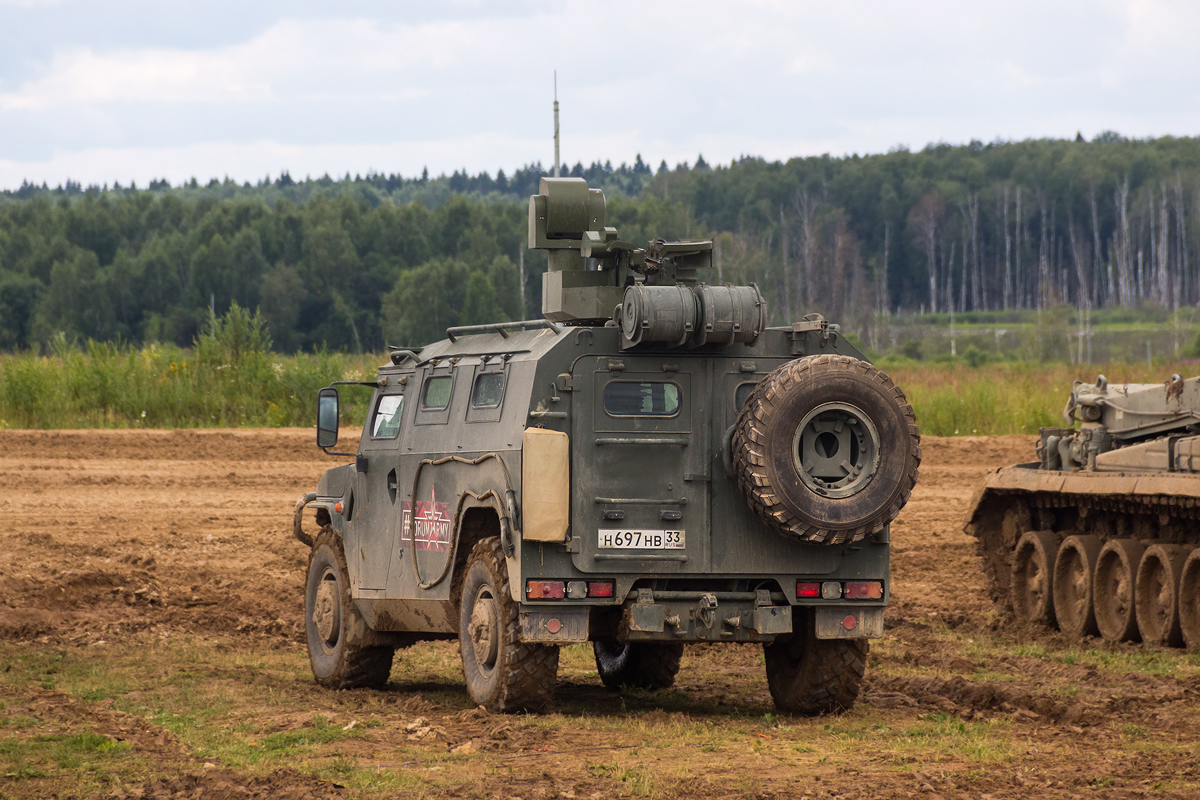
x=502, y=672
x=332, y=624
x=642, y=665
x=811, y=676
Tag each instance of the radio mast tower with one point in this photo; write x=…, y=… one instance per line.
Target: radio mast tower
x=557, y=160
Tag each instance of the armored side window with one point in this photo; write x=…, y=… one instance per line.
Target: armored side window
x=387, y=416
x=437, y=392
x=742, y=393
x=488, y=390
x=645, y=399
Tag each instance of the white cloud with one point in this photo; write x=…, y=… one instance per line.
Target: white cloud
x=668, y=80
x=82, y=77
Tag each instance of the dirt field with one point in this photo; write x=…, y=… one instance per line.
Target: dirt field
x=150, y=646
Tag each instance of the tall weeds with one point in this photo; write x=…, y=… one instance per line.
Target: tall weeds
x=1006, y=398
x=229, y=378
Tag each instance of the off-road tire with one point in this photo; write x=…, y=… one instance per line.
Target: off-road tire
x=640, y=665
x=764, y=449
x=517, y=676
x=338, y=662
x=811, y=676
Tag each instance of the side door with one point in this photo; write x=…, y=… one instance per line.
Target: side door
x=639, y=466
x=378, y=488
x=425, y=522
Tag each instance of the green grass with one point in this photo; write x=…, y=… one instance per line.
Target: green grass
x=231, y=379
x=113, y=386
x=108, y=386
x=81, y=757
x=251, y=707
x=954, y=399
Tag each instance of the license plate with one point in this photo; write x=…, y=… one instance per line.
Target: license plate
x=615, y=539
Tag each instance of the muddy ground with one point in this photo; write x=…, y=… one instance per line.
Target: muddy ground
x=175, y=547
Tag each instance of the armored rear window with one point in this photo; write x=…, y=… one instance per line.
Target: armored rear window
x=387, y=416
x=437, y=392
x=644, y=399
x=488, y=390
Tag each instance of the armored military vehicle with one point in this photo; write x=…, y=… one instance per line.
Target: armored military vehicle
x=649, y=465
x=1099, y=536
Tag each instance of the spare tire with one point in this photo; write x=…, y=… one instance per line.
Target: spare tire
x=826, y=449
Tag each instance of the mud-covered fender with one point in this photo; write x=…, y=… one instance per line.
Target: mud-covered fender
x=482, y=482
x=493, y=500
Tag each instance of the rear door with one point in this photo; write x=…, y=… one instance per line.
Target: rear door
x=639, y=466
x=742, y=544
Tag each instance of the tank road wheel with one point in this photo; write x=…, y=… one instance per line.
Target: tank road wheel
x=1189, y=601
x=1033, y=577
x=1156, y=594
x=1112, y=589
x=332, y=624
x=502, y=672
x=811, y=676
x=642, y=665
x=826, y=449
x=1072, y=585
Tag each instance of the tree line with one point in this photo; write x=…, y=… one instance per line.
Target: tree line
x=361, y=262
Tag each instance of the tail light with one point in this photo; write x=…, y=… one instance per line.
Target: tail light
x=600, y=589
x=834, y=590
x=545, y=590
x=808, y=589
x=864, y=590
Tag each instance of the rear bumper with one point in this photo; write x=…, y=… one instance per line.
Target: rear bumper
x=702, y=617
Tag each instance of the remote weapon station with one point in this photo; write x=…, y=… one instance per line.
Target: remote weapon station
x=1099, y=536
x=649, y=465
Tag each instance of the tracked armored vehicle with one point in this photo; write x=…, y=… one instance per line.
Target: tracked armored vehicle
x=649, y=465
x=1101, y=535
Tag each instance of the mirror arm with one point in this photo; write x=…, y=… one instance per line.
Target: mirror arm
x=328, y=452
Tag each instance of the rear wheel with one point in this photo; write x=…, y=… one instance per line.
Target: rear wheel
x=1033, y=577
x=642, y=665
x=333, y=625
x=1113, y=589
x=502, y=672
x=811, y=676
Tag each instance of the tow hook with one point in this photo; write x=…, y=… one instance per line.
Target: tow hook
x=706, y=611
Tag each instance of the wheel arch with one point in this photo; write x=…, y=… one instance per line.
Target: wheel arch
x=480, y=516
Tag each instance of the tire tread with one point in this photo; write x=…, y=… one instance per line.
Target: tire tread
x=750, y=445
x=530, y=670
x=359, y=666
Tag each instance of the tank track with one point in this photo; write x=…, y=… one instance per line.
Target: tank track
x=1001, y=516
x=991, y=540
x=1181, y=507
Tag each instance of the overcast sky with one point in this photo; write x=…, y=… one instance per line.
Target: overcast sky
x=138, y=89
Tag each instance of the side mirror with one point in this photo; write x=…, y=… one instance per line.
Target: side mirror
x=327, y=417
